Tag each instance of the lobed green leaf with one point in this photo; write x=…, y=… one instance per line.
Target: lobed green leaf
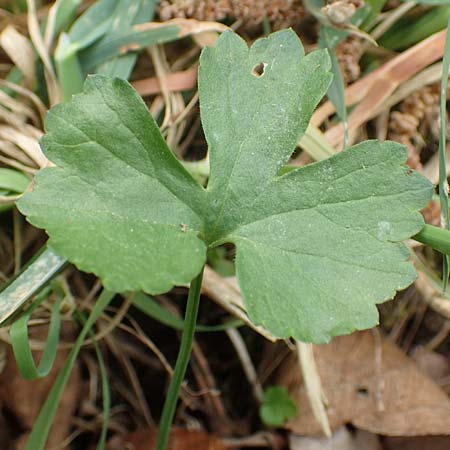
x=316, y=248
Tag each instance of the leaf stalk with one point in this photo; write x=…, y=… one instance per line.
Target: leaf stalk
x=184, y=354
x=435, y=237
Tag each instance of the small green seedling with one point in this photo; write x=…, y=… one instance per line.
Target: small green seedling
x=278, y=406
x=316, y=248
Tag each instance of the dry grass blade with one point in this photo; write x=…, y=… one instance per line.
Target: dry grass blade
x=227, y=295
x=178, y=81
x=431, y=295
x=186, y=27
x=25, y=141
x=21, y=53
x=247, y=365
x=313, y=385
x=36, y=37
x=42, y=110
x=374, y=89
x=161, y=75
x=19, y=112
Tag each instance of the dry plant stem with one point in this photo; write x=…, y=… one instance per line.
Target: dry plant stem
x=374, y=89
x=391, y=18
x=161, y=75
x=247, y=365
x=313, y=385
x=38, y=42
x=17, y=240
x=178, y=81
x=139, y=334
x=431, y=296
x=182, y=362
x=128, y=368
x=227, y=295
x=214, y=407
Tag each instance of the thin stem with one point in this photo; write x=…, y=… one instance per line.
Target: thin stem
x=434, y=237
x=184, y=355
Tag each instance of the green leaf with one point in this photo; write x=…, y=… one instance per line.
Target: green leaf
x=251, y=123
x=327, y=252
x=44, y=266
x=13, y=181
x=21, y=344
x=443, y=183
x=316, y=248
x=151, y=308
x=429, y=2
x=278, y=406
x=119, y=204
x=128, y=13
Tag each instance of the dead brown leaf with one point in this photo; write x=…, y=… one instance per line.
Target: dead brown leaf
x=375, y=88
x=341, y=439
x=434, y=364
x=372, y=384
x=23, y=399
x=178, y=81
x=180, y=439
x=417, y=443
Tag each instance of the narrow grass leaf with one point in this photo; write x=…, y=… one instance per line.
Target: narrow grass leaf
x=12, y=180
x=42, y=425
x=435, y=237
x=141, y=36
x=21, y=343
x=106, y=395
x=151, y=308
x=407, y=32
x=336, y=91
x=60, y=16
x=429, y=2
x=443, y=183
x=128, y=13
x=44, y=266
x=374, y=8
x=68, y=68
x=93, y=24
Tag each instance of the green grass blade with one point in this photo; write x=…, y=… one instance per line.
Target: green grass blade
x=407, y=31
x=68, y=67
x=93, y=23
x=44, y=266
x=184, y=355
x=106, y=396
x=443, y=184
x=151, y=308
x=21, y=343
x=336, y=91
x=315, y=144
x=42, y=425
x=12, y=180
x=435, y=237
x=128, y=13
x=139, y=39
x=429, y=2
x=374, y=8
x=61, y=15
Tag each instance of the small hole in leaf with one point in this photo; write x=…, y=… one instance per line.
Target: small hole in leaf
x=258, y=70
x=362, y=391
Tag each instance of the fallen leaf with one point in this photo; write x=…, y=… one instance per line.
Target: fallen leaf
x=23, y=399
x=342, y=439
x=417, y=443
x=180, y=439
x=434, y=364
x=372, y=384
